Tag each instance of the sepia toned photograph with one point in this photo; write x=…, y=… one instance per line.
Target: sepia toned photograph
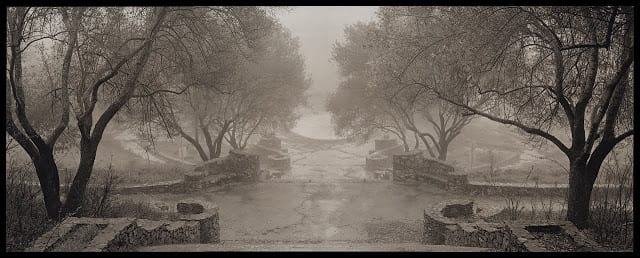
x=319, y=128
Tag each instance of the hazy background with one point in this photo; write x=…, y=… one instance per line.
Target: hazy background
x=318, y=28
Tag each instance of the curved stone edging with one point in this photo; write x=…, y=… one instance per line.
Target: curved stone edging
x=469, y=230
x=128, y=234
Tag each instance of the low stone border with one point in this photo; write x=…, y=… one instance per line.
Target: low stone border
x=127, y=234
x=414, y=166
x=235, y=167
x=471, y=229
x=485, y=188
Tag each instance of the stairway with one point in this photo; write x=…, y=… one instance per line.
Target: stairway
x=280, y=246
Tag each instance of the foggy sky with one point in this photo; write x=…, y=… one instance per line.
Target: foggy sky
x=318, y=28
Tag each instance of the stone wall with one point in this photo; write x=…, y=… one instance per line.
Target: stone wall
x=128, y=234
x=502, y=189
x=271, y=153
x=414, y=166
x=237, y=166
x=484, y=188
x=472, y=230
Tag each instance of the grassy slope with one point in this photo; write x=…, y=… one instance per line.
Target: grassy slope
x=514, y=159
x=131, y=168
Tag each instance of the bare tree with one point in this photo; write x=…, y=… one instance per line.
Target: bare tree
x=549, y=68
x=26, y=26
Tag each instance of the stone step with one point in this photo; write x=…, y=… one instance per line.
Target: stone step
x=302, y=246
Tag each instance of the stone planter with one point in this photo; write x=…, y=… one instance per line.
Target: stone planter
x=461, y=223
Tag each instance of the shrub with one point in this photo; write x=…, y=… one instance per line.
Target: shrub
x=26, y=217
x=611, y=218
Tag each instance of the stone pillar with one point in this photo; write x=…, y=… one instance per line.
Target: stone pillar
x=405, y=165
x=207, y=219
x=245, y=164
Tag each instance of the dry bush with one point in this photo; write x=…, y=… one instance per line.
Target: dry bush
x=26, y=217
x=513, y=210
x=611, y=218
x=100, y=202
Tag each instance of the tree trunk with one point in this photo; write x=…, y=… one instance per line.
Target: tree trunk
x=405, y=144
x=579, y=195
x=209, y=142
x=49, y=179
x=75, y=196
x=220, y=137
x=442, y=152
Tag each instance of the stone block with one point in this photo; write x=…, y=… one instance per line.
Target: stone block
x=208, y=223
x=189, y=208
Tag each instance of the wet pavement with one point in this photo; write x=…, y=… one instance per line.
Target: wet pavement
x=326, y=197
